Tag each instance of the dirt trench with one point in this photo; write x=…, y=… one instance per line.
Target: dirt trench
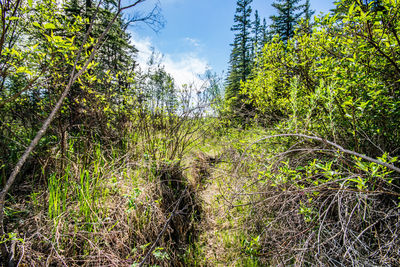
x=181, y=199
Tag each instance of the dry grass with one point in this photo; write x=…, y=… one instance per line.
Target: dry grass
x=332, y=214
x=237, y=207
x=130, y=206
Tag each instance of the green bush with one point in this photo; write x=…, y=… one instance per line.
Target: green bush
x=341, y=81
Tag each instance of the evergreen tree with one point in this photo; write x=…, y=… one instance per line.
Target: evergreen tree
x=257, y=32
x=117, y=54
x=114, y=61
x=266, y=35
x=306, y=27
x=289, y=12
x=233, y=79
x=308, y=12
x=240, y=59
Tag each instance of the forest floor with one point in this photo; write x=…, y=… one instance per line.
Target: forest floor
x=228, y=201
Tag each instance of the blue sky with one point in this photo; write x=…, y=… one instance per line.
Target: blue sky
x=197, y=34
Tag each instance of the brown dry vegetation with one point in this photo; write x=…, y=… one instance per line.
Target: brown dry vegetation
x=227, y=201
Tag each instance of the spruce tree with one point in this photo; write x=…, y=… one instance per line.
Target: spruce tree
x=289, y=13
x=306, y=27
x=117, y=53
x=240, y=59
x=257, y=32
x=308, y=12
x=266, y=35
x=114, y=59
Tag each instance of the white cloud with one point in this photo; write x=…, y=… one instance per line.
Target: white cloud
x=185, y=67
x=145, y=48
x=192, y=42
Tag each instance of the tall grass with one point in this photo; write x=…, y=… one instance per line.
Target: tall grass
x=106, y=199
x=58, y=188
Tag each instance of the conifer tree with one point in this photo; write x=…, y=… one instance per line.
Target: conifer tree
x=117, y=53
x=240, y=59
x=289, y=12
x=306, y=27
x=308, y=12
x=257, y=32
x=114, y=59
x=266, y=35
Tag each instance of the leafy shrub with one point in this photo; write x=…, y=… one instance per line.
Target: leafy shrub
x=341, y=81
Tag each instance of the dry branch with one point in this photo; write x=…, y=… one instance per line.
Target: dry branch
x=340, y=148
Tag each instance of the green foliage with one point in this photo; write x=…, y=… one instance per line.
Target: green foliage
x=289, y=13
x=160, y=254
x=10, y=237
x=252, y=246
x=257, y=38
x=113, y=166
x=37, y=50
x=340, y=81
x=240, y=59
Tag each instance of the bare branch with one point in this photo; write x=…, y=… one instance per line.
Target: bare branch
x=340, y=148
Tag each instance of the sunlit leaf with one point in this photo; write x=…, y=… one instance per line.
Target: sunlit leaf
x=49, y=26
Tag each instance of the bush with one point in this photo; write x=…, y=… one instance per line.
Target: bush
x=341, y=81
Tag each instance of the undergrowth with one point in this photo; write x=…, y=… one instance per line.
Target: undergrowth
x=107, y=204
x=237, y=200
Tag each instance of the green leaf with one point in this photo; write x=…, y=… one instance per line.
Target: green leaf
x=36, y=24
x=23, y=70
x=30, y=3
x=49, y=26
x=351, y=8
x=13, y=18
